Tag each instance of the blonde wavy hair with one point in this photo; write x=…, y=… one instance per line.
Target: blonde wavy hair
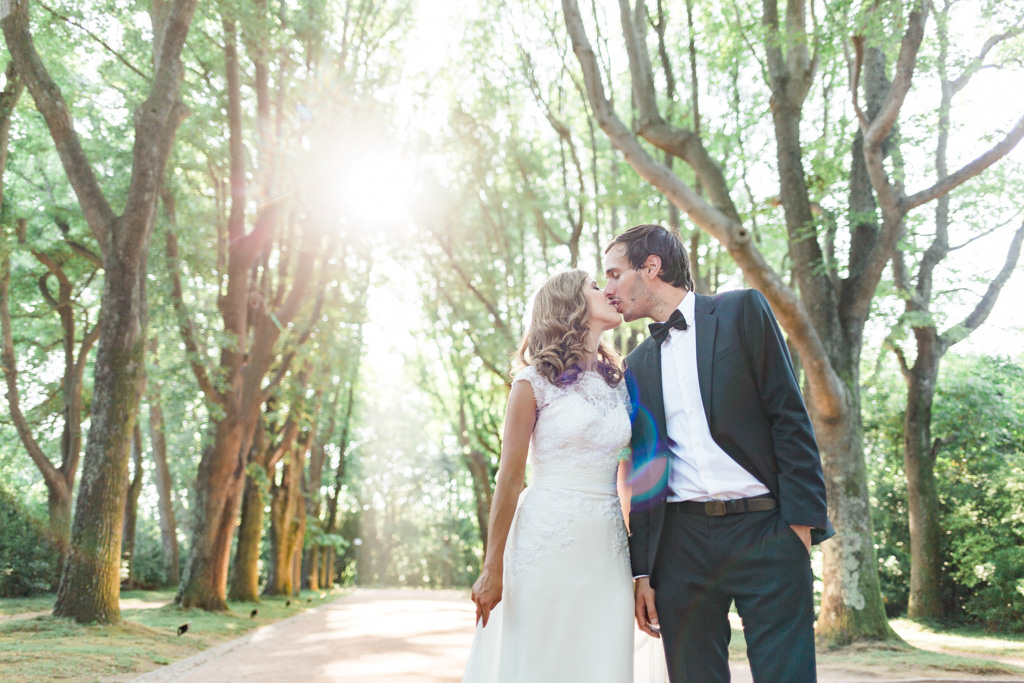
x=557, y=342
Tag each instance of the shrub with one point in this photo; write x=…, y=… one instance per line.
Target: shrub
x=28, y=560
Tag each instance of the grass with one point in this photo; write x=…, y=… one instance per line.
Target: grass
x=960, y=639
x=48, y=648
x=36, y=603
x=929, y=652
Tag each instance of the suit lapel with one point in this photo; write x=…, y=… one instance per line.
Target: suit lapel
x=707, y=325
x=657, y=392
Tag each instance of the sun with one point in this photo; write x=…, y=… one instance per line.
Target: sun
x=374, y=190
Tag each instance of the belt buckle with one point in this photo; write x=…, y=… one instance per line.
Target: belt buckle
x=714, y=508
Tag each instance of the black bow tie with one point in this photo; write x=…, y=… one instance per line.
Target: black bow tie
x=660, y=330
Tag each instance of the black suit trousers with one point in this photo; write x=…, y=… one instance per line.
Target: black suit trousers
x=703, y=565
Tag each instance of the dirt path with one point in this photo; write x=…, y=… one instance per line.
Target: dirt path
x=402, y=636
x=384, y=636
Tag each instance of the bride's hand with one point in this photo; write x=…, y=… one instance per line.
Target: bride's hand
x=486, y=594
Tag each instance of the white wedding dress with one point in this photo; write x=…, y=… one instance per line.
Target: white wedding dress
x=566, y=613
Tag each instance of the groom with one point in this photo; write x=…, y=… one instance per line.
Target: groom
x=728, y=492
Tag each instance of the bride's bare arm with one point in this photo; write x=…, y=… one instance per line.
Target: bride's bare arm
x=519, y=421
x=624, y=488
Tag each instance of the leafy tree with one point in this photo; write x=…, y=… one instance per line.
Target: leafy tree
x=825, y=313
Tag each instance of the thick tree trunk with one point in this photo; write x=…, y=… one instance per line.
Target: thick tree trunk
x=279, y=575
x=164, y=485
x=90, y=585
x=245, y=580
x=131, y=508
x=218, y=489
x=851, y=605
x=823, y=326
x=287, y=524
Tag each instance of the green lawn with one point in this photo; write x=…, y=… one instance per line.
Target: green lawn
x=929, y=653
x=47, y=648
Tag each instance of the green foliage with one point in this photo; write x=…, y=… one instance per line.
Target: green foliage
x=28, y=561
x=148, y=568
x=980, y=478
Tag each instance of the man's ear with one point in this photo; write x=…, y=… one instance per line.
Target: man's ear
x=652, y=266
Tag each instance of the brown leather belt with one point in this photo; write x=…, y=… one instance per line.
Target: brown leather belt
x=718, y=508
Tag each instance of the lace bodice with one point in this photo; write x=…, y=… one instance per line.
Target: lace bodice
x=583, y=425
x=580, y=436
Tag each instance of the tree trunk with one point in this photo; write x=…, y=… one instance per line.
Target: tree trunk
x=245, y=581
x=297, y=543
x=287, y=524
x=60, y=481
x=90, y=584
x=851, y=604
x=162, y=478
x=327, y=577
x=280, y=570
x=131, y=508
x=58, y=503
x=313, y=568
x=480, y=473
x=218, y=490
x=922, y=495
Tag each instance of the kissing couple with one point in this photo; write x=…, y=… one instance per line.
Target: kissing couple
x=700, y=438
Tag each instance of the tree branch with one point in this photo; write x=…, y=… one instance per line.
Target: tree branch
x=900, y=357
x=10, y=369
x=186, y=326
x=883, y=122
x=121, y=58
x=968, y=171
x=54, y=109
x=988, y=301
x=978, y=62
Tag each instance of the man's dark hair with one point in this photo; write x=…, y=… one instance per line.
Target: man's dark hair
x=642, y=241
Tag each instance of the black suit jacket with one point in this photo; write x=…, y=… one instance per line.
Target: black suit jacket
x=754, y=409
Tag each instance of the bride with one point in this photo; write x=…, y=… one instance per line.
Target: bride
x=558, y=562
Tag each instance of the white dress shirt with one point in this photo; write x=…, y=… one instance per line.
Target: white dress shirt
x=699, y=469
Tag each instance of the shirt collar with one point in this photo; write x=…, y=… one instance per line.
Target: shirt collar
x=687, y=306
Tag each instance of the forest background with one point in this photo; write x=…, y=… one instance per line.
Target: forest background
x=264, y=265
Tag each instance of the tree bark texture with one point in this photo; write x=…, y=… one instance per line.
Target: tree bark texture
x=245, y=578
x=287, y=522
